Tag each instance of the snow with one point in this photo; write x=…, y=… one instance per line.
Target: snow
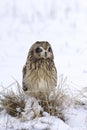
x=75, y=119
x=64, y=24
x=43, y=123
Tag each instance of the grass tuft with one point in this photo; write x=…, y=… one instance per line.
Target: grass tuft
x=81, y=97
x=13, y=102
x=57, y=101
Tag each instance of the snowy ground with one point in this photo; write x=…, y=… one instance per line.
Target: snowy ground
x=75, y=119
x=61, y=22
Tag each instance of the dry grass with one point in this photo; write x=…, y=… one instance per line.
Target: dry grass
x=13, y=102
x=80, y=98
x=54, y=103
x=57, y=101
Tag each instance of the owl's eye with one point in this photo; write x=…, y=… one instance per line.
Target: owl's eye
x=38, y=50
x=49, y=50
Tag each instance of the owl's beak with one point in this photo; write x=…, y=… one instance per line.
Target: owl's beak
x=45, y=54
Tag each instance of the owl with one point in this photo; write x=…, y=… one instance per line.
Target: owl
x=39, y=71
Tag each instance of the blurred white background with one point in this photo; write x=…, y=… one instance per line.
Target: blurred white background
x=61, y=22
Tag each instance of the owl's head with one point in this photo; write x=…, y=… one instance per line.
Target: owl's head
x=41, y=50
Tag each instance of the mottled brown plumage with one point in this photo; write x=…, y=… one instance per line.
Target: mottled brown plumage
x=39, y=72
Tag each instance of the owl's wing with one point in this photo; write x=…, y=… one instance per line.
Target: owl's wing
x=55, y=75
x=24, y=71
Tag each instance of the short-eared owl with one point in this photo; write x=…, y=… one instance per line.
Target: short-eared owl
x=39, y=72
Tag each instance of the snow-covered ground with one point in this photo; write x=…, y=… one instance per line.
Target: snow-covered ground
x=61, y=22
x=75, y=119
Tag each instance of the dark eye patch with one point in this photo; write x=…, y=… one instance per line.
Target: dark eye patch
x=38, y=50
x=49, y=50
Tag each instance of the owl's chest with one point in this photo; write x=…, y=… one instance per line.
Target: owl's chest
x=41, y=73
x=44, y=76
x=44, y=73
x=42, y=84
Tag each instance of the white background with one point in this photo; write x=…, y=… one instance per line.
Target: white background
x=61, y=22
